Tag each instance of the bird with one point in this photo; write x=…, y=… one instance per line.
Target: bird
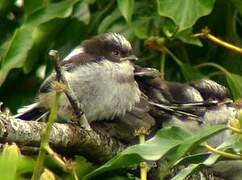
x=100, y=72
x=109, y=86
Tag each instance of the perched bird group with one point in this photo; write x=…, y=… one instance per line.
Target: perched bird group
x=109, y=86
x=118, y=97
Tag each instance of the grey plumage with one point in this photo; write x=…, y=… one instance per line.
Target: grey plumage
x=100, y=89
x=101, y=76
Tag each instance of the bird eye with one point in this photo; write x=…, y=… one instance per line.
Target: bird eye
x=116, y=53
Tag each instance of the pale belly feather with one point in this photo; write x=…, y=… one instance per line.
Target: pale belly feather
x=105, y=90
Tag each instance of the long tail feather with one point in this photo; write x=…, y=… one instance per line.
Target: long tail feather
x=31, y=112
x=173, y=110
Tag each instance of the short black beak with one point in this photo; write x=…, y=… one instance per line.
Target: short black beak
x=131, y=58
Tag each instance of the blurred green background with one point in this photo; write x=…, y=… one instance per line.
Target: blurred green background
x=30, y=28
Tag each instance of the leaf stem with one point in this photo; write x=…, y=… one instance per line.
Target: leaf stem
x=213, y=65
x=143, y=165
x=206, y=34
x=222, y=153
x=45, y=138
x=216, y=73
x=178, y=61
x=157, y=43
x=234, y=129
x=68, y=167
x=141, y=132
x=162, y=66
x=143, y=170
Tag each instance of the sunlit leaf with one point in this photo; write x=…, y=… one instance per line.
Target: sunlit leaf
x=47, y=175
x=12, y=163
x=195, y=167
x=165, y=140
x=43, y=36
x=9, y=161
x=140, y=27
x=126, y=7
x=22, y=40
x=184, y=12
x=196, y=139
x=82, y=12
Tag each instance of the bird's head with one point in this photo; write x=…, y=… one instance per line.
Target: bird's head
x=111, y=46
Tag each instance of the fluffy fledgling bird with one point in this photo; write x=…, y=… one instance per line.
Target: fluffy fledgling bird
x=101, y=74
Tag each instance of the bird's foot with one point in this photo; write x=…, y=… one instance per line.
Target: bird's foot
x=81, y=121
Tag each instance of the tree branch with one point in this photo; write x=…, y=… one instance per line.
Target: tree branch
x=98, y=147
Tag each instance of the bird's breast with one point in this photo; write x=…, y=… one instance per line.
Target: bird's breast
x=105, y=89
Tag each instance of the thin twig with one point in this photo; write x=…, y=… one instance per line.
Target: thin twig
x=79, y=115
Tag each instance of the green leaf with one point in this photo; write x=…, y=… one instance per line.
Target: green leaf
x=238, y=5
x=235, y=84
x=190, y=73
x=82, y=12
x=186, y=37
x=47, y=175
x=196, y=139
x=122, y=28
x=191, y=142
x=8, y=161
x=12, y=163
x=184, y=13
x=82, y=166
x=141, y=26
x=5, y=6
x=22, y=40
x=192, y=159
x=43, y=36
x=171, y=31
x=30, y=6
x=165, y=140
x=126, y=7
x=108, y=21
x=196, y=167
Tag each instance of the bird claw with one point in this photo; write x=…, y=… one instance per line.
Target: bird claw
x=81, y=122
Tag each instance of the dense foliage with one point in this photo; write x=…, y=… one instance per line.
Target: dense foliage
x=29, y=29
